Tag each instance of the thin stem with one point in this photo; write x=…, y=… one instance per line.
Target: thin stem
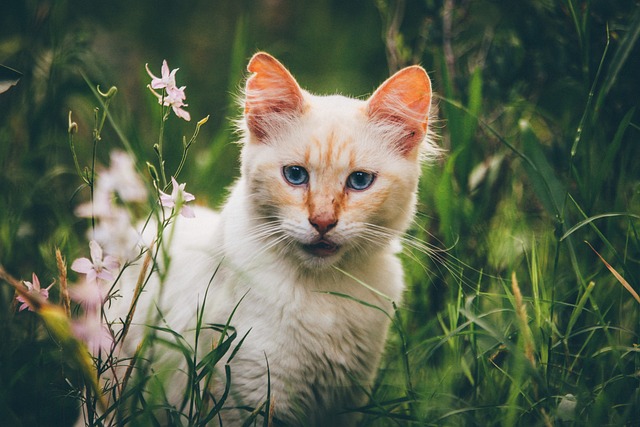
x=159, y=146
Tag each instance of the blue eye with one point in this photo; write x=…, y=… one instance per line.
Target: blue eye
x=360, y=180
x=295, y=175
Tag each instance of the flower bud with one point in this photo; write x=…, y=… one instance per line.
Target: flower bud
x=153, y=172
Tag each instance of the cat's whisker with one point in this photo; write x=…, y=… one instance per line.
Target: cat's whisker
x=442, y=258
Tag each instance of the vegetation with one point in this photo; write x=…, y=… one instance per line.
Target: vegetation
x=523, y=265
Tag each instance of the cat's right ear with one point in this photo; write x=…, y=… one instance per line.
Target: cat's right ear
x=272, y=96
x=403, y=102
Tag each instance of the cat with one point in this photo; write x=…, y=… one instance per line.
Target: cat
x=305, y=246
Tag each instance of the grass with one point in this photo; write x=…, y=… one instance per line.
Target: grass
x=522, y=266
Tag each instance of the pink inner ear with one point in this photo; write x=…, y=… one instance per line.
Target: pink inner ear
x=270, y=92
x=404, y=100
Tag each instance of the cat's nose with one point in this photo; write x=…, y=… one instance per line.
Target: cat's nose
x=323, y=223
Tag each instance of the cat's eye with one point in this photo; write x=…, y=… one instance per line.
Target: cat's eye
x=360, y=180
x=295, y=175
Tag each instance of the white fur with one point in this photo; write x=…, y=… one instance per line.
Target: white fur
x=321, y=348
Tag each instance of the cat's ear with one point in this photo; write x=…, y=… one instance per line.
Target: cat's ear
x=272, y=96
x=403, y=102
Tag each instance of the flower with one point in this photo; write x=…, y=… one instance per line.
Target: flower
x=174, y=98
x=167, y=80
x=116, y=235
x=122, y=178
x=173, y=95
x=100, y=207
x=97, y=267
x=33, y=287
x=89, y=294
x=93, y=332
x=178, y=197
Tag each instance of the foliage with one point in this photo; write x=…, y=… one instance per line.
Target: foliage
x=510, y=317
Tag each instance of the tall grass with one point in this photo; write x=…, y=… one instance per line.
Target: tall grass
x=531, y=316
x=522, y=265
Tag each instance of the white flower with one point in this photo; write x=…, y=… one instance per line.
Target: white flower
x=122, y=178
x=117, y=235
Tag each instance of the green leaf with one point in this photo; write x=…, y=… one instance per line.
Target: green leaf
x=620, y=57
x=473, y=109
x=593, y=218
x=209, y=361
x=445, y=200
x=546, y=185
x=607, y=162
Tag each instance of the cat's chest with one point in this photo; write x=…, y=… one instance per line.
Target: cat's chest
x=297, y=322
x=314, y=343
x=304, y=317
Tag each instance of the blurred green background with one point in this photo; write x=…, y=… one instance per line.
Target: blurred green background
x=537, y=104
x=514, y=60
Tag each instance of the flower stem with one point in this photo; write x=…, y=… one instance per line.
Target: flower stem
x=158, y=147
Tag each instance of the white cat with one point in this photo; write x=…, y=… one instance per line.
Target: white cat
x=327, y=185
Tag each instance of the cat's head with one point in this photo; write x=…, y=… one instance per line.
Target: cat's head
x=332, y=178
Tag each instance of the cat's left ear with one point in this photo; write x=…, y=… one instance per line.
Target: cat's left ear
x=403, y=101
x=272, y=96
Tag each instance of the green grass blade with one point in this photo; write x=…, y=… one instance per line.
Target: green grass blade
x=620, y=57
x=591, y=219
x=587, y=109
x=546, y=185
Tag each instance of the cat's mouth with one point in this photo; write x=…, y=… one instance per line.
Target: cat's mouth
x=321, y=248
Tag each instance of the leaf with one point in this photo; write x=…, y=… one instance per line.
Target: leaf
x=209, y=361
x=8, y=77
x=446, y=201
x=593, y=218
x=606, y=163
x=620, y=57
x=587, y=108
x=578, y=309
x=220, y=402
x=474, y=107
x=546, y=185
x=617, y=275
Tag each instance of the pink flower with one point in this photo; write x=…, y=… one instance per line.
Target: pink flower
x=93, y=332
x=174, y=96
x=90, y=295
x=178, y=197
x=97, y=267
x=33, y=287
x=167, y=80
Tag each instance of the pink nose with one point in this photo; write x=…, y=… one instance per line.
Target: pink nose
x=323, y=223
